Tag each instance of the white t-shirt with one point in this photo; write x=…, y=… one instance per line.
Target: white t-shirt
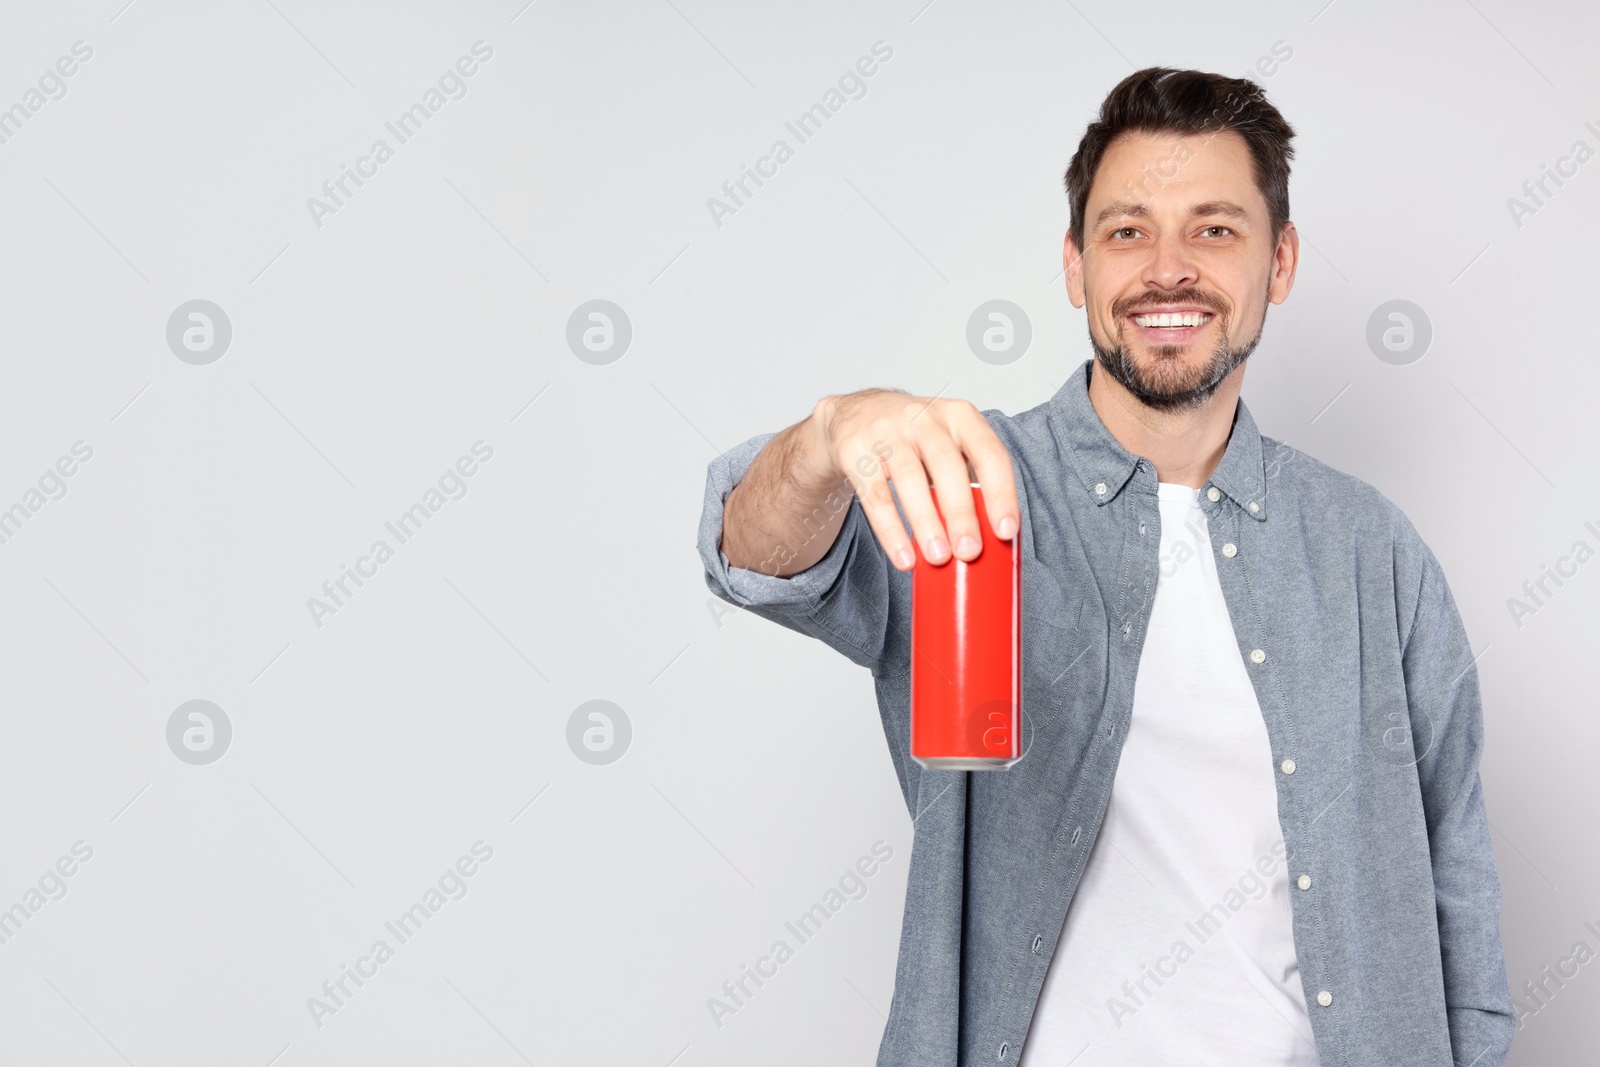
x=1177, y=947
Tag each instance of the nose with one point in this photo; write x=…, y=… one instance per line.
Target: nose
x=1171, y=263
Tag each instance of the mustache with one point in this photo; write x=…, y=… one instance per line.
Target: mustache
x=1183, y=296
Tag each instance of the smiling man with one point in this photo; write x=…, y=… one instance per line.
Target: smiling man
x=1248, y=826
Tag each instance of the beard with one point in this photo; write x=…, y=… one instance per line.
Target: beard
x=1168, y=381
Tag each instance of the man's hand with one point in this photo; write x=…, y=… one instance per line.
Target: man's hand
x=878, y=436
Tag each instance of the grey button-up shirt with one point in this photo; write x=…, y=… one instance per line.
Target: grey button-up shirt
x=1366, y=681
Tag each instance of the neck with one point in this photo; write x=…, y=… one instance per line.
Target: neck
x=1186, y=445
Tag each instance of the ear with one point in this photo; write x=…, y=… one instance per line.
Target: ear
x=1285, y=260
x=1072, y=261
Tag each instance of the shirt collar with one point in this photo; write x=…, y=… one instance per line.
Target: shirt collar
x=1104, y=466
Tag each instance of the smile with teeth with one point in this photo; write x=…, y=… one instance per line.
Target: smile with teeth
x=1173, y=319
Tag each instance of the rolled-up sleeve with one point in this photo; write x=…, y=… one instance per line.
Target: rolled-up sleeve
x=1447, y=722
x=842, y=599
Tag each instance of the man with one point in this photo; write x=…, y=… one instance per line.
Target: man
x=1252, y=724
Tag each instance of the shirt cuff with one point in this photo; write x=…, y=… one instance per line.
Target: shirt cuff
x=799, y=593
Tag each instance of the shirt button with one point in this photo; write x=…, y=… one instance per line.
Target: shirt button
x=1257, y=656
x=1288, y=766
x=1100, y=488
x=1213, y=493
x=1324, y=998
x=1304, y=882
x=1253, y=506
x=1230, y=550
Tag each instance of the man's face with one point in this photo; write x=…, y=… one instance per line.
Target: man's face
x=1175, y=225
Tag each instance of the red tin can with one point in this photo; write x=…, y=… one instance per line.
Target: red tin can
x=966, y=656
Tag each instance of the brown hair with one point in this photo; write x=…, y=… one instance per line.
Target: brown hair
x=1163, y=100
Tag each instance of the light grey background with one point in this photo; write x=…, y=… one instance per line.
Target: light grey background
x=430, y=312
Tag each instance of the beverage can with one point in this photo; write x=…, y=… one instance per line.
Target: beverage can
x=966, y=655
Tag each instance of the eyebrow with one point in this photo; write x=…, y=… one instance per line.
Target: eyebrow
x=1132, y=209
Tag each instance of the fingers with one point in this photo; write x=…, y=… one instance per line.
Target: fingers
x=871, y=481
x=927, y=450
x=952, y=484
x=872, y=445
x=991, y=461
x=909, y=470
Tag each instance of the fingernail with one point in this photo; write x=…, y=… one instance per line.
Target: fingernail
x=1007, y=527
x=905, y=559
x=968, y=545
x=937, y=549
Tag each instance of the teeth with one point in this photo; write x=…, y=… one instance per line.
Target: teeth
x=1169, y=319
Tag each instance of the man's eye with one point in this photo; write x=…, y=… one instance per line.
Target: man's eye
x=1123, y=230
x=1223, y=228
